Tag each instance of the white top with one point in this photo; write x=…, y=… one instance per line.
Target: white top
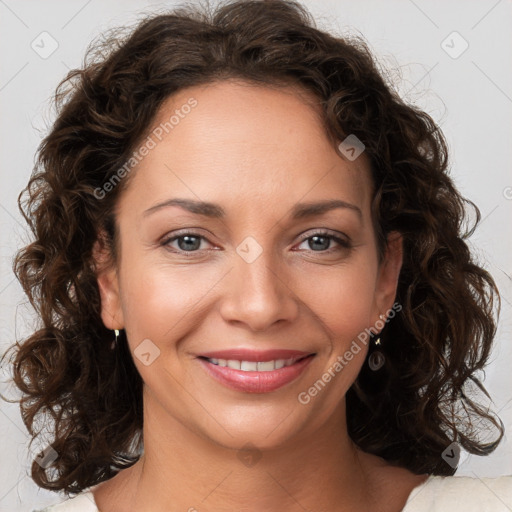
x=436, y=494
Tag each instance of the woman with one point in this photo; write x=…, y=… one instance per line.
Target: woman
x=272, y=235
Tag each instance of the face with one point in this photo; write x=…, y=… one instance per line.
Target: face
x=256, y=276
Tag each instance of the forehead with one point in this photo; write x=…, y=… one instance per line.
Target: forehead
x=260, y=143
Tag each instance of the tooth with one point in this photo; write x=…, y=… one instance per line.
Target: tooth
x=247, y=366
x=253, y=366
x=265, y=366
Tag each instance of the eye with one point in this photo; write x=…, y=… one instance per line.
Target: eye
x=187, y=242
x=321, y=241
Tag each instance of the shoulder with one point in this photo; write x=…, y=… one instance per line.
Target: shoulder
x=470, y=494
x=84, y=502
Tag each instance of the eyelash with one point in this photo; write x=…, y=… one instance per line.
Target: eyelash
x=344, y=244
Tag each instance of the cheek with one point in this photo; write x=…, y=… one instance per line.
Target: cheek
x=343, y=298
x=159, y=300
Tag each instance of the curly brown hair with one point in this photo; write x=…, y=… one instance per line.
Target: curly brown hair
x=408, y=412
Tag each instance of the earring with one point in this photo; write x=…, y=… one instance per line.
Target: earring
x=376, y=359
x=114, y=343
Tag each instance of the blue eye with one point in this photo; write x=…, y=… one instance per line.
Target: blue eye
x=190, y=242
x=187, y=242
x=322, y=240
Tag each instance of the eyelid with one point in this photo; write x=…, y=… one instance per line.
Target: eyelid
x=326, y=232
x=182, y=232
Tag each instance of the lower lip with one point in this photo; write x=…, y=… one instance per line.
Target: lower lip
x=255, y=382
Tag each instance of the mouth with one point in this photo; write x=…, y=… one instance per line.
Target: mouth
x=255, y=372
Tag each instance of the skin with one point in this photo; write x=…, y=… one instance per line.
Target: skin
x=256, y=151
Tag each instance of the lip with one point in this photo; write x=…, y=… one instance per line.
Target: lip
x=256, y=382
x=244, y=354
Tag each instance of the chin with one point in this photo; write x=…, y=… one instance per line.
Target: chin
x=263, y=429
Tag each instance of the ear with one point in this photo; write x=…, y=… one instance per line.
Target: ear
x=388, y=274
x=108, y=284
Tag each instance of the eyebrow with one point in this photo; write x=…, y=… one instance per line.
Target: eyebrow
x=299, y=211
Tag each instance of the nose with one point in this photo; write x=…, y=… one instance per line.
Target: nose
x=259, y=294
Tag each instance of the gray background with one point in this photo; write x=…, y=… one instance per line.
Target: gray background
x=469, y=94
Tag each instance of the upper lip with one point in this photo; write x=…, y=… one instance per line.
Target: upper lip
x=245, y=354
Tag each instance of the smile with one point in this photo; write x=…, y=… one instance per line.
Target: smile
x=255, y=376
